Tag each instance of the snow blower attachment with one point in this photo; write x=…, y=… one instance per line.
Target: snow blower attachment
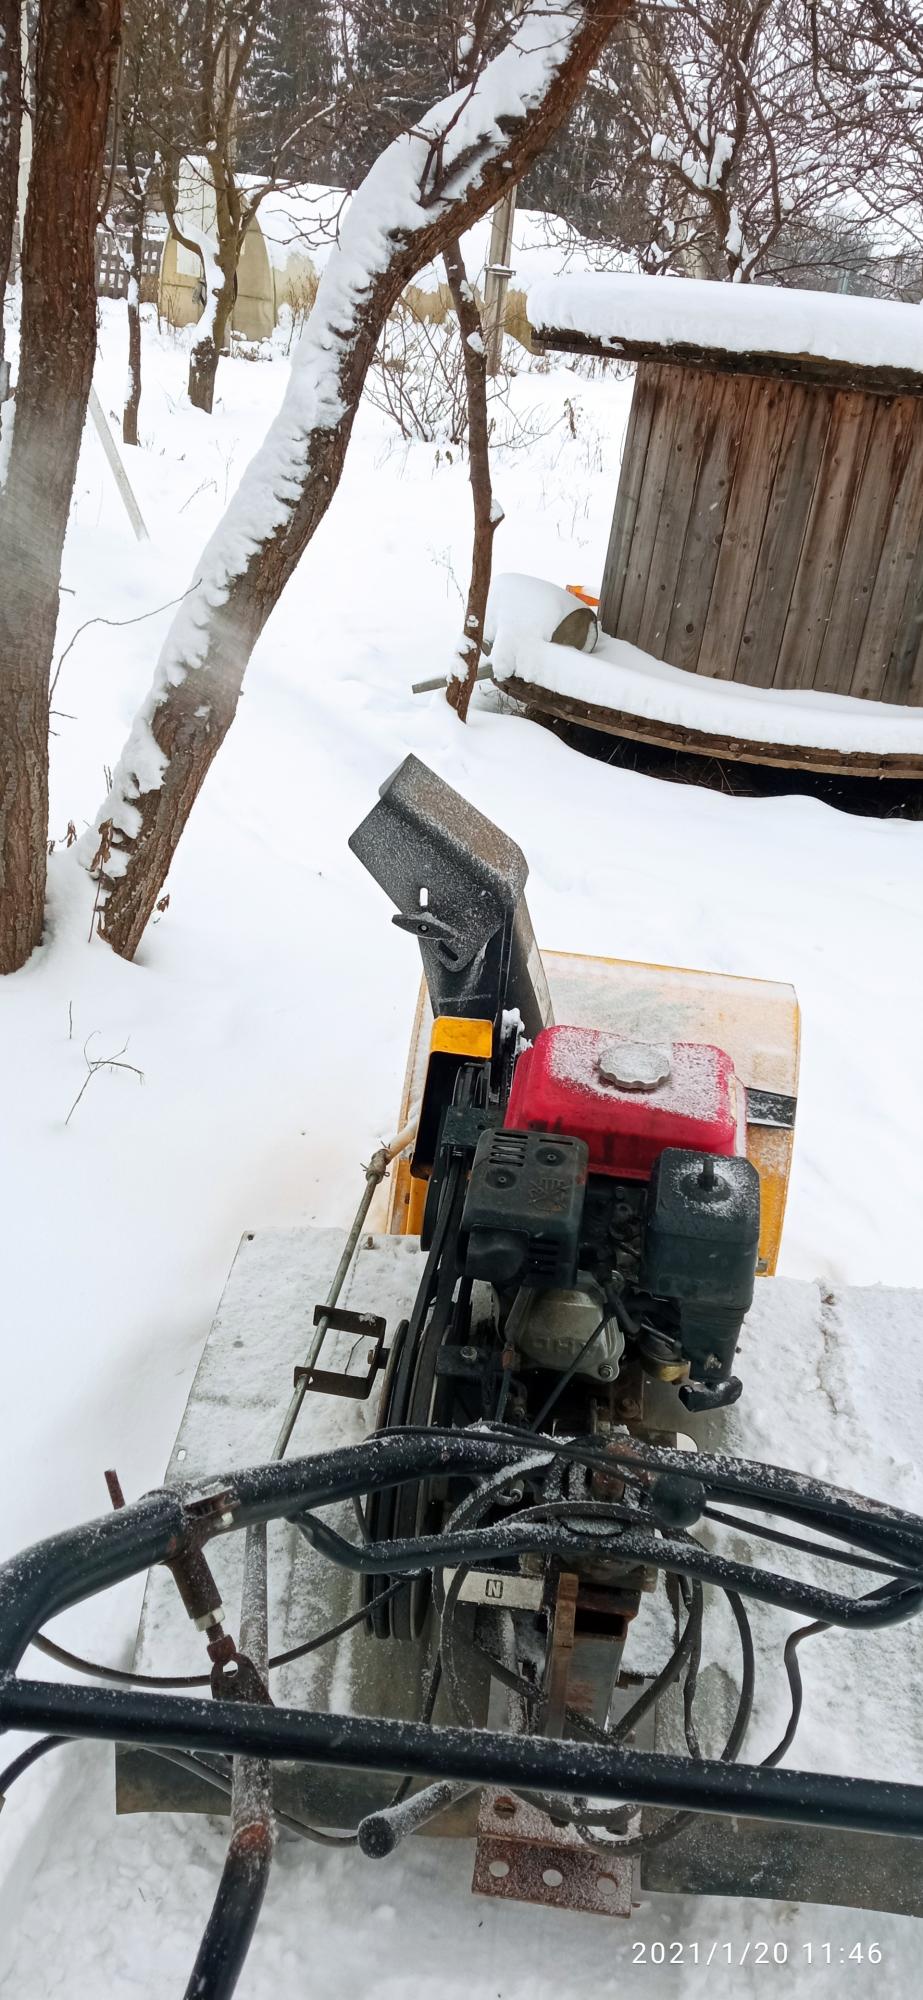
x=516, y=1552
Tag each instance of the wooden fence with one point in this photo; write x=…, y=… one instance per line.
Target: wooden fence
x=111, y=272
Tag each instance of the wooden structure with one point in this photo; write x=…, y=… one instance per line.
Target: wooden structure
x=607, y=721
x=768, y=524
x=112, y=265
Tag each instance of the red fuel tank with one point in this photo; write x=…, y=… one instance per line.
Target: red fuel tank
x=628, y=1099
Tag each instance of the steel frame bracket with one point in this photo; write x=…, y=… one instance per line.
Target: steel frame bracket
x=337, y=1381
x=522, y=1856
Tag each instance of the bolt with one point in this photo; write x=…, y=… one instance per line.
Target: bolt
x=605, y=1371
x=469, y=1354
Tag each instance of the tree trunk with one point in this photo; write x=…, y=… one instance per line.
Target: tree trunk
x=133, y=385
x=77, y=41
x=204, y=357
x=10, y=121
x=486, y=521
x=459, y=173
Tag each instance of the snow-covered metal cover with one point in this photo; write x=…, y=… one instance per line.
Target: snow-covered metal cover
x=621, y=312
x=564, y=1083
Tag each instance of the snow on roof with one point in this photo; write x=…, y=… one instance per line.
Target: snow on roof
x=622, y=312
x=299, y=221
x=304, y=220
x=543, y=247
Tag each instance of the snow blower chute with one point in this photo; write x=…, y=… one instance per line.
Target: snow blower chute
x=497, y=1557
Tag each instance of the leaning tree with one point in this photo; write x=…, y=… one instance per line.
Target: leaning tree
x=428, y=186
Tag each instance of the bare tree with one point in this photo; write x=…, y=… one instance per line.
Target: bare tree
x=734, y=140
x=427, y=188
x=76, y=51
x=213, y=51
x=144, y=79
x=487, y=516
x=10, y=125
x=868, y=70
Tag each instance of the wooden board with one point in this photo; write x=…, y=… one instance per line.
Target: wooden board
x=832, y=504
x=801, y=446
x=815, y=370
x=631, y=477
x=685, y=452
x=897, y=565
x=667, y=391
x=748, y=504
x=889, y=448
x=727, y=406
x=700, y=743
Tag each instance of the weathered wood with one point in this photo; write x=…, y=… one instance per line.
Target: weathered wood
x=728, y=404
x=828, y=523
x=686, y=448
x=801, y=449
x=668, y=390
x=631, y=478
x=894, y=579
x=700, y=743
x=815, y=370
x=904, y=678
x=888, y=451
x=748, y=504
x=767, y=531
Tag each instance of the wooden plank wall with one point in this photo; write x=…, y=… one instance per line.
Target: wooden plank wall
x=771, y=532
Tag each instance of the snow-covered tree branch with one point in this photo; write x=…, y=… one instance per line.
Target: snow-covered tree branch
x=428, y=186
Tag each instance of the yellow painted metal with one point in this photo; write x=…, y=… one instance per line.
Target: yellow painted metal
x=453, y=1036
x=450, y=1035
x=756, y=1021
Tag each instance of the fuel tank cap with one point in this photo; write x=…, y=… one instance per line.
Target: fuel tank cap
x=635, y=1065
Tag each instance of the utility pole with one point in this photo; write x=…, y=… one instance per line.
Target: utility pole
x=499, y=273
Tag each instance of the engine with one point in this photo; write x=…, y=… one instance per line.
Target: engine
x=618, y=1193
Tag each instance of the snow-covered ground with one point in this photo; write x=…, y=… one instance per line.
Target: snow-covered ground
x=268, y=1011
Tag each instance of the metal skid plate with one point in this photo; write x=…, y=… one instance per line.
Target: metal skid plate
x=521, y=1855
x=814, y=1363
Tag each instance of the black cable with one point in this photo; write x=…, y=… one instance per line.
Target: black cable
x=805, y=1547
x=125, y=1679
x=793, y=1670
x=222, y=1782
x=27, y=1758
x=658, y=1836
x=569, y=1372
x=692, y=1593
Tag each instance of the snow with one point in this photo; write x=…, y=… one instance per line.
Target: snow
x=521, y=607
x=305, y=220
x=270, y=1009
x=622, y=677
x=302, y=220
x=543, y=246
x=394, y=201
x=615, y=307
